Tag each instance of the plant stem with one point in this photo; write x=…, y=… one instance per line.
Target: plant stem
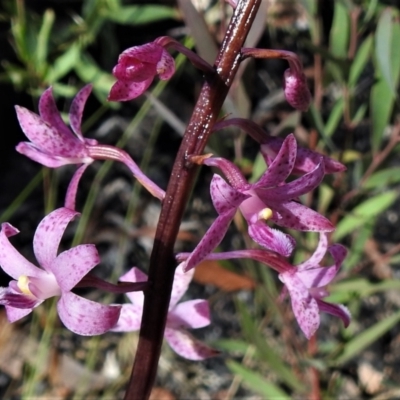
x=162, y=262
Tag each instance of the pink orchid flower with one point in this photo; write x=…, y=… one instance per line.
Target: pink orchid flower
x=190, y=314
x=136, y=69
x=305, y=282
x=57, y=277
x=268, y=199
x=53, y=144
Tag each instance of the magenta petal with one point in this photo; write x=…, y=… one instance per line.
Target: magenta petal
x=281, y=166
x=338, y=310
x=318, y=277
x=296, y=216
x=70, y=197
x=294, y=189
x=210, y=240
x=166, y=66
x=184, y=344
x=31, y=151
x=48, y=235
x=76, y=110
x=14, y=314
x=190, y=314
x=149, y=52
x=129, y=319
x=11, y=261
x=180, y=285
x=48, y=112
x=305, y=307
x=85, y=317
x=73, y=264
x=338, y=252
x=306, y=160
x=296, y=90
x=318, y=254
x=124, y=90
x=135, y=275
x=271, y=239
x=224, y=196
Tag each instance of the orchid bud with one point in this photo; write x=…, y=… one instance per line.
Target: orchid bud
x=296, y=90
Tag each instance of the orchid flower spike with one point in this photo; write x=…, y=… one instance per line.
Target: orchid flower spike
x=268, y=199
x=57, y=277
x=305, y=282
x=190, y=314
x=136, y=69
x=53, y=144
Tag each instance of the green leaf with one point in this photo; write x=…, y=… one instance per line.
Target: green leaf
x=63, y=64
x=339, y=35
x=263, y=351
x=43, y=40
x=367, y=337
x=383, y=178
x=136, y=15
x=232, y=345
x=383, y=46
x=334, y=117
x=360, y=60
x=363, y=213
x=257, y=382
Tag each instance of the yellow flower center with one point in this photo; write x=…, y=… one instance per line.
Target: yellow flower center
x=265, y=214
x=23, y=284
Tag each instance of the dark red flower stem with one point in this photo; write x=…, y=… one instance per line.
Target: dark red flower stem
x=162, y=262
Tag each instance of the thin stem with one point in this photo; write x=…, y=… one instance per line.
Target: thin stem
x=162, y=262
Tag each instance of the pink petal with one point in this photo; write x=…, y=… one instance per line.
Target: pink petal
x=129, y=319
x=124, y=91
x=150, y=53
x=70, y=197
x=184, y=344
x=166, y=66
x=130, y=69
x=14, y=314
x=305, y=307
x=72, y=265
x=282, y=165
x=318, y=277
x=48, y=235
x=180, y=285
x=76, y=110
x=49, y=113
x=294, y=189
x=306, y=159
x=47, y=138
x=224, y=196
x=210, y=240
x=85, y=317
x=296, y=216
x=135, y=275
x=11, y=261
x=338, y=252
x=318, y=254
x=338, y=310
x=271, y=239
x=31, y=151
x=190, y=314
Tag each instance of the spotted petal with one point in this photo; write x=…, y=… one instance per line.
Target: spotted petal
x=124, y=90
x=281, y=166
x=48, y=235
x=135, y=275
x=11, y=261
x=190, y=314
x=85, y=317
x=183, y=343
x=76, y=110
x=180, y=285
x=73, y=264
x=129, y=319
x=305, y=307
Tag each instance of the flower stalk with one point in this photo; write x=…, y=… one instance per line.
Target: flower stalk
x=162, y=262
